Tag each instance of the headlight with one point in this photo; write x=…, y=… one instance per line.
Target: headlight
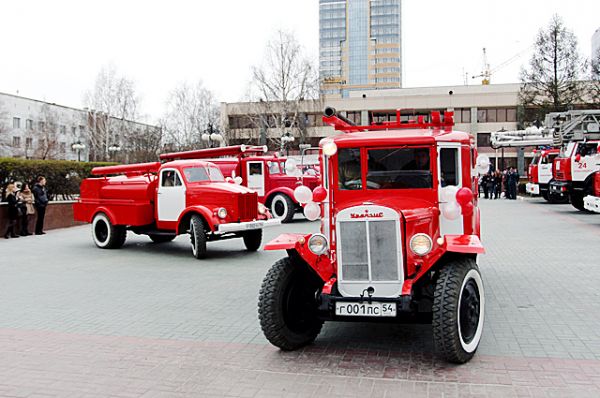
x=262, y=209
x=317, y=244
x=421, y=244
x=329, y=148
x=222, y=212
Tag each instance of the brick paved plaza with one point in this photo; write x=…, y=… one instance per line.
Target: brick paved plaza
x=150, y=321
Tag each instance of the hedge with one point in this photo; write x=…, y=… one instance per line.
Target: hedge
x=63, y=177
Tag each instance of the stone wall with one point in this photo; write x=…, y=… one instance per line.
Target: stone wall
x=59, y=214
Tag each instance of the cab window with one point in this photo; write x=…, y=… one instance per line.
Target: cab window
x=170, y=178
x=274, y=168
x=399, y=168
x=449, y=166
x=587, y=149
x=255, y=169
x=215, y=174
x=349, y=169
x=195, y=174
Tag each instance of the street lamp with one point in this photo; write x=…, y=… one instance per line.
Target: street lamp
x=285, y=139
x=78, y=146
x=210, y=136
x=114, y=148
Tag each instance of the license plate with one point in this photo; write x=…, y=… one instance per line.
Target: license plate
x=254, y=225
x=365, y=309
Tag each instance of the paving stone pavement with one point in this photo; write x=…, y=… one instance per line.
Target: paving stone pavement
x=150, y=321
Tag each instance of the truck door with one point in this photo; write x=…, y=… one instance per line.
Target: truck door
x=171, y=195
x=449, y=162
x=256, y=176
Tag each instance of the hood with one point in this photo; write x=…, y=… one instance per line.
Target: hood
x=219, y=187
x=408, y=207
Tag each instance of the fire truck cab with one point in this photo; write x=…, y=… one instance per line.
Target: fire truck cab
x=539, y=173
x=169, y=199
x=267, y=175
x=399, y=238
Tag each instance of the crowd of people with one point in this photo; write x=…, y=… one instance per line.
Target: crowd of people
x=24, y=204
x=495, y=183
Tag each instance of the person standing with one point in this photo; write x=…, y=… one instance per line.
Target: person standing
x=484, y=182
x=40, y=194
x=27, y=199
x=498, y=188
x=13, y=210
x=491, y=182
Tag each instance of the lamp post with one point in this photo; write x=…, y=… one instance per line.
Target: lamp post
x=113, y=149
x=210, y=136
x=285, y=139
x=78, y=146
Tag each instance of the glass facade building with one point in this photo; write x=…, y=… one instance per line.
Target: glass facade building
x=360, y=45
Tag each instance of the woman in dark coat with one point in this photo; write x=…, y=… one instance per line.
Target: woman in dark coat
x=13, y=210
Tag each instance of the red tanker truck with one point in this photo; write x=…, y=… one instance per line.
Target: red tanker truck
x=170, y=199
x=265, y=174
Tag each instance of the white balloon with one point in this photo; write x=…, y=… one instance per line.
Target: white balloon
x=303, y=194
x=291, y=166
x=449, y=193
x=483, y=161
x=482, y=169
x=238, y=180
x=312, y=211
x=451, y=210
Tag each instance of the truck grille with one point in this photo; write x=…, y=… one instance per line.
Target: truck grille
x=369, y=250
x=248, y=206
x=560, y=175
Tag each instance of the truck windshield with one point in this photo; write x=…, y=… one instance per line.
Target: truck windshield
x=198, y=174
x=399, y=168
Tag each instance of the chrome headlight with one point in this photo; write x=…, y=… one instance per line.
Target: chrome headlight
x=318, y=244
x=421, y=244
x=222, y=212
x=262, y=209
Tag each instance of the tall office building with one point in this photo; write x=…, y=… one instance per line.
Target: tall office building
x=360, y=45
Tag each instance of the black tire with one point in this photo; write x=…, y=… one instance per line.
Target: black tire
x=198, y=237
x=287, y=306
x=577, y=201
x=283, y=207
x=545, y=195
x=105, y=234
x=161, y=238
x=253, y=239
x=458, y=310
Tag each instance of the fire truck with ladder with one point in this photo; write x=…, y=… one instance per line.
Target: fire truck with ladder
x=268, y=175
x=539, y=172
x=399, y=239
x=577, y=132
x=163, y=200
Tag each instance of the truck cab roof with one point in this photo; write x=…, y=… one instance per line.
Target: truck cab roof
x=399, y=137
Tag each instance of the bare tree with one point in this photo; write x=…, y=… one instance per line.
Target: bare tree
x=595, y=78
x=143, y=144
x=113, y=103
x=191, y=111
x=552, y=82
x=279, y=86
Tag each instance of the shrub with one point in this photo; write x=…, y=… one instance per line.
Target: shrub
x=63, y=176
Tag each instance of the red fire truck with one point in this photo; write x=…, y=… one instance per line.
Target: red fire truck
x=169, y=199
x=539, y=174
x=399, y=238
x=578, y=133
x=592, y=201
x=265, y=174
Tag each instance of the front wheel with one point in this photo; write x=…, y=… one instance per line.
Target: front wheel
x=283, y=207
x=253, y=239
x=458, y=310
x=577, y=201
x=105, y=234
x=287, y=306
x=198, y=237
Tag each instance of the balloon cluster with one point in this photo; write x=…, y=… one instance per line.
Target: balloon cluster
x=456, y=201
x=482, y=164
x=309, y=200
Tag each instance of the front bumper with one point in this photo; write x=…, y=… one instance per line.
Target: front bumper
x=247, y=226
x=532, y=189
x=592, y=203
x=560, y=188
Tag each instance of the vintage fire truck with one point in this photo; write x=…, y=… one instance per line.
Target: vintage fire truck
x=592, y=201
x=399, y=238
x=170, y=199
x=265, y=174
x=578, y=135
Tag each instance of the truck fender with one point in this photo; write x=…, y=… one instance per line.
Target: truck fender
x=297, y=247
x=468, y=244
x=109, y=214
x=207, y=214
x=284, y=190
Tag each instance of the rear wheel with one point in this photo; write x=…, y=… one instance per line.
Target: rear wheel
x=252, y=239
x=287, y=306
x=161, y=238
x=198, y=237
x=105, y=234
x=458, y=310
x=577, y=201
x=282, y=207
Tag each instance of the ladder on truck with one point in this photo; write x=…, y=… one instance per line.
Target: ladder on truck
x=580, y=125
x=531, y=136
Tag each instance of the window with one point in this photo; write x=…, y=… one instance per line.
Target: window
x=274, y=168
x=349, y=169
x=28, y=142
x=215, y=174
x=74, y=130
x=587, y=149
x=41, y=125
x=29, y=124
x=481, y=115
x=483, y=139
x=82, y=129
x=63, y=129
x=449, y=166
x=491, y=115
x=501, y=116
x=255, y=169
x=63, y=147
x=466, y=116
x=170, y=178
x=16, y=142
x=16, y=123
x=196, y=174
x=511, y=115
x=400, y=168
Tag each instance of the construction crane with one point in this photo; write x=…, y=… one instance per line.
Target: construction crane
x=487, y=71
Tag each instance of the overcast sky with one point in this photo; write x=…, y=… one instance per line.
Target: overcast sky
x=53, y=49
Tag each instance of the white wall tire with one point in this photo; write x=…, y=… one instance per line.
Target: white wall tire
x=282, y=208
x=458, y=310
x=197, y=237
x=105, y=234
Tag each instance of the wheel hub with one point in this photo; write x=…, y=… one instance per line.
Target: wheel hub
x=469, y=311
x=278, y=208
x=101, y=231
